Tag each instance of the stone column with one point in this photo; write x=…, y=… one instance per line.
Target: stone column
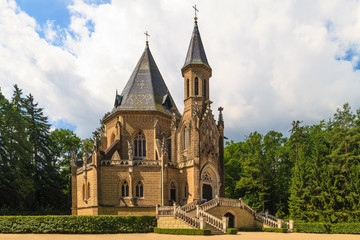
x=202, y=222
x=225, y=223
x=291, y=225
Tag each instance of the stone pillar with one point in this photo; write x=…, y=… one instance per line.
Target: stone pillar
x=175, y=206
x=157, y=211
x=279, y=222
x=225, y=221
x=291, y=225
x=202, y=222
x=197, y=210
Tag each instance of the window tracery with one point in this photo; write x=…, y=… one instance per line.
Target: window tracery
x=140, y=145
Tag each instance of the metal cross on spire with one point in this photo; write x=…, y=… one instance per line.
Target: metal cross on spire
x=147, y=36
x=196, y=10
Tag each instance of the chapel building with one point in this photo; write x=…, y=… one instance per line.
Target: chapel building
x=150, y=154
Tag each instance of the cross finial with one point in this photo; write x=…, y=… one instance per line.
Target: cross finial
x=147, y=36
x=196, y=10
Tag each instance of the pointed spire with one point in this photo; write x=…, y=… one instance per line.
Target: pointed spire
x=196, y=53
x=146, y=89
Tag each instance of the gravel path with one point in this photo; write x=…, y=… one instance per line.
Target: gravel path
x=154, y=236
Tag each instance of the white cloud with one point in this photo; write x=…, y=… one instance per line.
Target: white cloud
x=273, y=61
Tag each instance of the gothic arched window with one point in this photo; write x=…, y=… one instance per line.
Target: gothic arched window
x=139, y=190
x=83, y=192
x=187, y=88
x=204, y=88
x=89, y=195
x=186, y=137
x=196, y=86
x=140, y=145
x=186, y=190
x=125, y=189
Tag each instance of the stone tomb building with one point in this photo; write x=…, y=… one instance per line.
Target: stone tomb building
x=151, y=154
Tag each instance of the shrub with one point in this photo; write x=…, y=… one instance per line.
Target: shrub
x=250, y=229
x=280, y=230
x=231, y=231
x=182, y=231
x=76, y=224
x=346, y=228
x=312, y=227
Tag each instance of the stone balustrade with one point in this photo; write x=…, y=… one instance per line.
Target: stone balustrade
x=139, y=162
x=217, y=223
x=182, y=215
x=189, y=207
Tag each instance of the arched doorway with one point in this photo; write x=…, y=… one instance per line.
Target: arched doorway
x=231, y=217
x=172, y=192
x=209, y=181
x=207, y=192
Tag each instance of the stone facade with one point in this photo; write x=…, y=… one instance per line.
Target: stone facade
x=150, y=154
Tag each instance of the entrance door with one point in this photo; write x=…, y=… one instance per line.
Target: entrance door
x=173, y=195
x=207, y=192
x=231, y=220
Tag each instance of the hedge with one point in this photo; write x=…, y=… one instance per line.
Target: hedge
x=250, y=229
x=280, y=230
x=329, y=216
x=312, y=227
x=183, y=231
x=346, y=228
x=342, y=228
x=77, y=224
x=232, y=231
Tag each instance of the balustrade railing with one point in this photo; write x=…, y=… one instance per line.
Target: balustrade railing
x=220, y=224
x=182, y=215
x=229, y=202
x=165, y=211
x=247, y=207
x=271, y=223
x=267, y=215
x=189, y=207
x=114, y=162
x=209, y=204
x=212, y=220
x=140, y=162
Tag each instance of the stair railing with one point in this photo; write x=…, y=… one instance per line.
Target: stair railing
x=188, y=219
x=189, y=207
x=271, y=223
x=209, y=204
x=164, y=211
x=212, y=220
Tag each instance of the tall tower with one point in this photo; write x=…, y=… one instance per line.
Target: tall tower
x=196, y=73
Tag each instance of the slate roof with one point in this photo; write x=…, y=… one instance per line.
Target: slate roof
x=196, y=53
x=146, y=89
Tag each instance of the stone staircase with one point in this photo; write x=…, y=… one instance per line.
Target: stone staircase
x=198, y=216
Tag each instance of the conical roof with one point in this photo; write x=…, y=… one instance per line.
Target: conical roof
x=146, y=89
x=196, y=53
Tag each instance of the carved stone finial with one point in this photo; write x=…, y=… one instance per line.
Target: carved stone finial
x=85, y=156
x=221, y=119
x=96, y=140
x=130, y=151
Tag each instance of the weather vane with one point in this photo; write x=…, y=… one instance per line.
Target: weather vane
x=196, y=10
x=147, y=36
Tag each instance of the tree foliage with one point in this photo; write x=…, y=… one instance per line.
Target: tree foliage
x=34, y=162
x=313, y=176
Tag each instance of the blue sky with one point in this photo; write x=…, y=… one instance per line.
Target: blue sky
x=273, y=61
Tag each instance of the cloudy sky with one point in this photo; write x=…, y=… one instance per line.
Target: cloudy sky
x=273, y=61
